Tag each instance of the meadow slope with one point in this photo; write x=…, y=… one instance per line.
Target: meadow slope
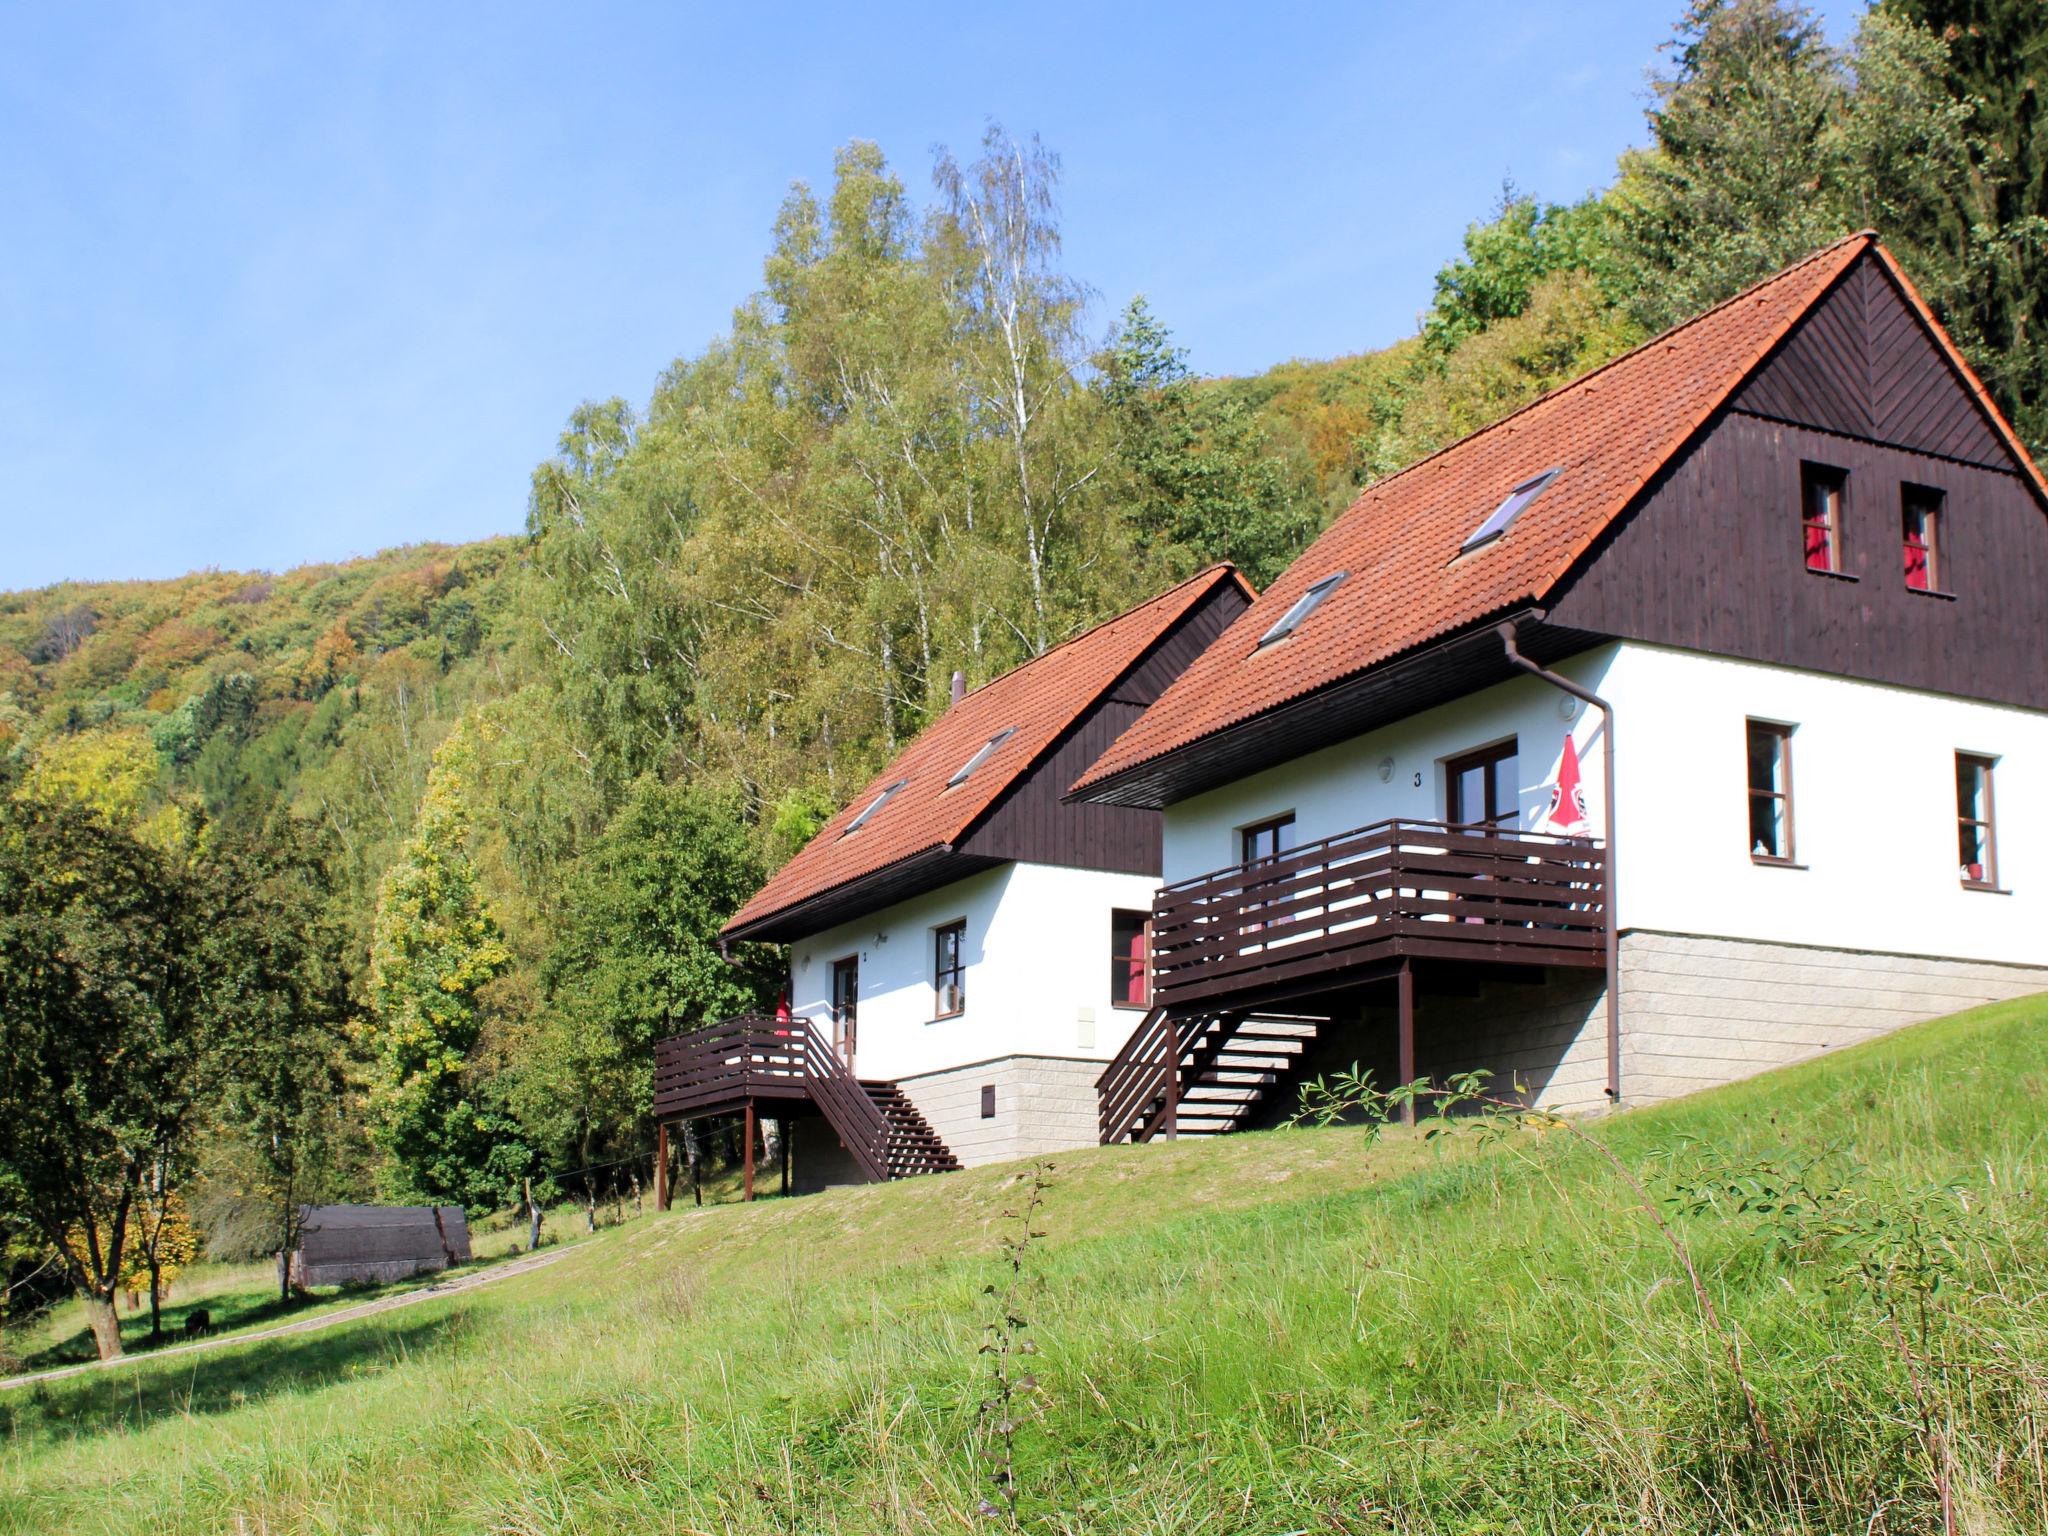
x=1275, y=1332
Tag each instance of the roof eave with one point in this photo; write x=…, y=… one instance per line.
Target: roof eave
x=1147, y=784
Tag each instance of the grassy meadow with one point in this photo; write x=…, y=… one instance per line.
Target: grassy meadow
x=1300, y=1330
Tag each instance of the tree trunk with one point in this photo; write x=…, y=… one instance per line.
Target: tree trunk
x=156, y=1299
x=106, y=1326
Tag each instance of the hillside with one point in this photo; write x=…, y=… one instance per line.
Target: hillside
x=1272, y=1332
x=322, y=689
x=514, y=788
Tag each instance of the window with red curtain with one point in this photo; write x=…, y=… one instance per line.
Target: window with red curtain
x=1129, y=959
x=1820, y=514
x=1922, y=537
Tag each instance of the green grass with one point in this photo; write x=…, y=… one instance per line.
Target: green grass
x=1299, y=1330
x=242, y=1298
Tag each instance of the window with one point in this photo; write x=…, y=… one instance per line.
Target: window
x=1265, y=840
x=1129, y=953
x=988, y=1101
x=845, y=1006
x=1304, y=605
x=1976, y=844
x=1922, y=537
x=874, y=805
x=1518, y=498
x=982, y=754
x=1263, y=843
x=1484, y=788
x=949, y=970
x=1820, y=516
x=1770, y=792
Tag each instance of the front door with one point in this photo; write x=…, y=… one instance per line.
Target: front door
x=845, y=1006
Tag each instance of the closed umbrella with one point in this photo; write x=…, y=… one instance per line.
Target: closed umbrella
x=1568, y=800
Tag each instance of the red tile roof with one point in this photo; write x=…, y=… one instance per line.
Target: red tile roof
x=1036, y=701
x=1608, y=432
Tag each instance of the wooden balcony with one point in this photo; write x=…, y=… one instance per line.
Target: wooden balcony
x=754, y=1064
x=1401, y=889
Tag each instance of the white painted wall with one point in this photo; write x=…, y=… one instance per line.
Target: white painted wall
x=1873, y=783
x=1340, y=788
x=1874, y=811
x=1038, y=974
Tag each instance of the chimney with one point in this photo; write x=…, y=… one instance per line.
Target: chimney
x=959, y=686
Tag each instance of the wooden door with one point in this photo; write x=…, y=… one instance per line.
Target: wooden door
x=846, y=1007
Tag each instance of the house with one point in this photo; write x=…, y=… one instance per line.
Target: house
x=965, y=945
x=1773, y=588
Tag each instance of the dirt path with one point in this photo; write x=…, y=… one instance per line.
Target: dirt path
x=433, y=1292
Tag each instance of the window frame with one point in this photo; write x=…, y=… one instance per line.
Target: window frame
x=1120, y=960
x=1284, y=822
x=982, y=754
x=1298, y=611
x=1814, y=476
x=957, y=930
x=873, y=806
x=1782, y=731
x=1487, y=759
x=1513, y=505
x=1932, y=503
x=1987, y=824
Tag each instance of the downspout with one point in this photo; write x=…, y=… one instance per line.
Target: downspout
x=1508, y=633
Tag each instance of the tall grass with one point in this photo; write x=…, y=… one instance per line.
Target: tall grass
x=1295, y=1330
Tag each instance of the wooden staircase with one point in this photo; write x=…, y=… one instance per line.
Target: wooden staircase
x=1198, y=1073
x=911, y=1146
x=754, y=1062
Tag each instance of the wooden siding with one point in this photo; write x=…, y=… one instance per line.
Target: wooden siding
x=1862, y=364
x=1179, y=646
x=1035, y=822
x=1711, y=561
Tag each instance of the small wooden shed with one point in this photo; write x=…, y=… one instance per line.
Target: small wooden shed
x=344, y=1244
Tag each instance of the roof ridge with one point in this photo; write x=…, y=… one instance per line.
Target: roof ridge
x=1578, y=380
x=1102, y=624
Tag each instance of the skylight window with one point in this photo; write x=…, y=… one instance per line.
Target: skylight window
x=1509, y=510
x=982, y=754
x=1304, y=605
x=873, y=806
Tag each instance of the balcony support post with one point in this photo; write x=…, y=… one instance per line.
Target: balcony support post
x=1508, y=633
x=661, y=1166
x=747, y=1140
x=1404, y=1008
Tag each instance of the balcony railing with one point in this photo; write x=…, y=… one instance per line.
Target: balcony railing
x=753, y=1057
x=1397, y=888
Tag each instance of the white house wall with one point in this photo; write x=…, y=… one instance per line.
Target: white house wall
x=1874, y=809
x=1037, y=976
x=1395, y=772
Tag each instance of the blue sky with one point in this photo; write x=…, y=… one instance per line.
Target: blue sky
x=290, y=283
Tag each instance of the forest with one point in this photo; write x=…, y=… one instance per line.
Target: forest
x=379, y=879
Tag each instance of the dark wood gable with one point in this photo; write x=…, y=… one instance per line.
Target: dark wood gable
x=1711, y=560
x=1862, y=364
x=1035, y=823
